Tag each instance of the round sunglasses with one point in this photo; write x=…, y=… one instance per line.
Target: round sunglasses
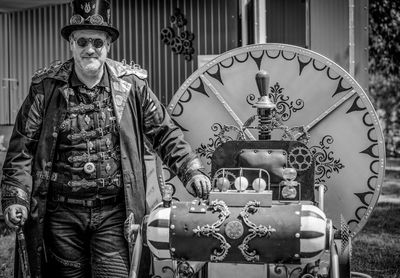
x=83, y=42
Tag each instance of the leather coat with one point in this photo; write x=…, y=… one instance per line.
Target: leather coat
x=28, y=164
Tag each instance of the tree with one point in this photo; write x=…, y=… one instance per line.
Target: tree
x=384, y=64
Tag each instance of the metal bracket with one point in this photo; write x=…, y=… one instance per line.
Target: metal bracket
x=213, y=230
x=260, y=231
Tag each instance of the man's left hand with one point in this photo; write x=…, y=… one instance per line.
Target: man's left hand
x=199, y=186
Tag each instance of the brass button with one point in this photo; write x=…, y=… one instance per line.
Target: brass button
x=55, y=134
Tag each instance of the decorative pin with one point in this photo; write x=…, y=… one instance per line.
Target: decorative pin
x=87, y=119
x=89, y=167
x=108, y=142
x=108, y=168
x=103, y=115
x=90, y=145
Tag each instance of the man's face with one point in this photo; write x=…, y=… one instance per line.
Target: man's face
x=89, y=59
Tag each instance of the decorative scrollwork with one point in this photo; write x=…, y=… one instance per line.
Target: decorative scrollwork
x=185, y=270
x=255, y=231
x=325, y=163
x=213, y=230
x=279, y=268
x=284, y=107
x=220, y=137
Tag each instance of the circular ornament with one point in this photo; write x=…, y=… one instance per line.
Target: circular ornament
x=259, y=184
x=300, y=158
x=96, y=19
x=223, y=184
x=241, y=183
x=89, y=167
x=76, y=19
x=234, y=229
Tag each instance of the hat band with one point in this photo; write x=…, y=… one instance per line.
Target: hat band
x=95, y=19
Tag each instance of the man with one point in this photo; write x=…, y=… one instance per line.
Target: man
x=74, y=171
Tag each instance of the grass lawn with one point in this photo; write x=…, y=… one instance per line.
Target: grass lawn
x=376, y=249
x=7, y=256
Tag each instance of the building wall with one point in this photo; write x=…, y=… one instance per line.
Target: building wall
x=4, y=67
x=33, y=44
x=213, y=22
x=286, y=22
x=330, y=34
x=34, y=41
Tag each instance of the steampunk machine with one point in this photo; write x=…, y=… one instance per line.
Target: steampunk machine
x=296, y=157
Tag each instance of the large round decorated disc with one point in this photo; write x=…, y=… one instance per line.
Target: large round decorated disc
x=309, y=91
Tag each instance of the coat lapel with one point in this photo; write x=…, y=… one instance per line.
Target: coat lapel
x=119, y=89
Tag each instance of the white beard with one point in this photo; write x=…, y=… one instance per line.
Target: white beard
x=92, y=67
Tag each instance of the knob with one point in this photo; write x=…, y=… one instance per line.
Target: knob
x=262, y=80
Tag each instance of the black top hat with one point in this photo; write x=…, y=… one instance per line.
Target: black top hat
x=92, y=15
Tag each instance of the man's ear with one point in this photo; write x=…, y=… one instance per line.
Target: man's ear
x=71, y=44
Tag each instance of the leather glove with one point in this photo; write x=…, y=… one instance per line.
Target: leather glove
x=199, y=186
x=15, y=216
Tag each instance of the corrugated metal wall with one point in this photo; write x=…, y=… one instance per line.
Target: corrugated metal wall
x=34, y=42
x=330, y=34
x=286, y=22
x=4, y=64
x=213, y=22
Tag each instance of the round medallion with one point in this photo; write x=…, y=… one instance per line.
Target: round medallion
x=234, y=229
x=76, y=19
x=89, y=167
x=96, y=19
x=300, y=158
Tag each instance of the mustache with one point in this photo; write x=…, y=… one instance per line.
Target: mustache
x=90, y=56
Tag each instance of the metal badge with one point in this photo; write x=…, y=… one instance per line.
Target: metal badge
x=108, y=167
x=108, y=143
x=234, y=229
x=89, y=167
x=90, y=145
x=87, y=119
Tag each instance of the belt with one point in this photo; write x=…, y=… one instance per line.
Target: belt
x=88, y=203
x=76, y=185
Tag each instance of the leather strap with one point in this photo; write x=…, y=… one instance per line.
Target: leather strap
x=88, y=203
x=99, y=183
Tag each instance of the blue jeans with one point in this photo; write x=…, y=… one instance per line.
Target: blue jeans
x=86, y=242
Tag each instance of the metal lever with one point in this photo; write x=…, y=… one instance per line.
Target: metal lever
x=262, y=80
x=264, y=106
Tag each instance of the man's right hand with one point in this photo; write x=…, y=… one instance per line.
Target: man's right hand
x=15, y=216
